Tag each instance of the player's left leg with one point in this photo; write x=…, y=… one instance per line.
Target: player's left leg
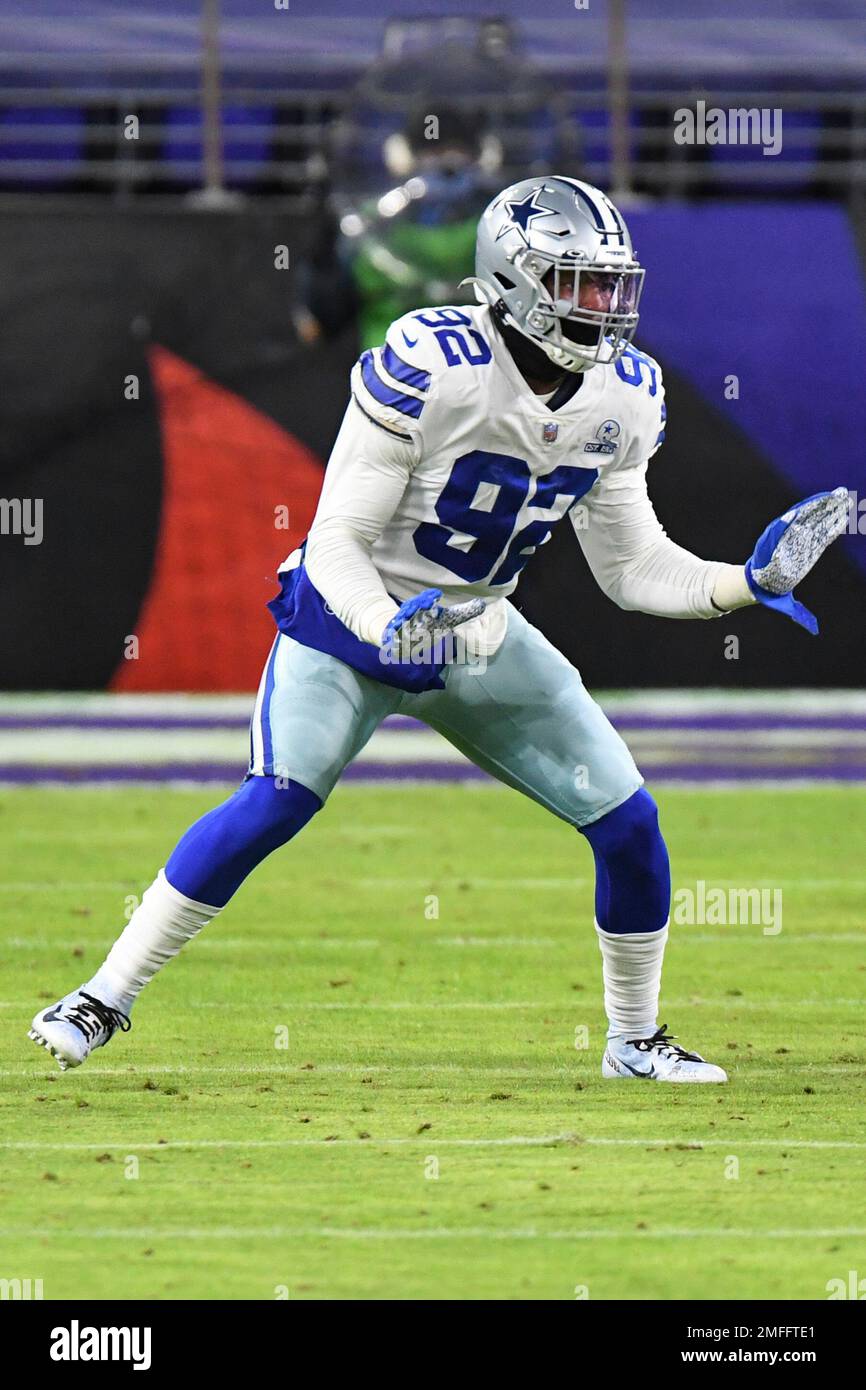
x=312, y=716
x=528, y=719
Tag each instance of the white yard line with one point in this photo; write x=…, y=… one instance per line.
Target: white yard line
x=513, y=1141
x=547, y=1006
x=468, y=1005
x=65, y=885
x=308, y=1233
x=429, y=1141
x=455, y=879
x=287, y=944
x=240, y=943
x=298, y=1070
x=454, y=882
x=684, y=936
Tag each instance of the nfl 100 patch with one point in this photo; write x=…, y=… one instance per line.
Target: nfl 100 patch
x=606, y=437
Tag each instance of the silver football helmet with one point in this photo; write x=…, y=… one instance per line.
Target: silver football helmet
x=559, y=256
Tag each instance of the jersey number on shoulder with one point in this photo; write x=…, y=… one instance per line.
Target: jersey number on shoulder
x=489, y=530
x=634, y=368
x=452, y=341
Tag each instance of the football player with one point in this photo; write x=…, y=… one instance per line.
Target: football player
x=470, y=434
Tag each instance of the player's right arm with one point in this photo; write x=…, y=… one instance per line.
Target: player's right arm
x=378, y=446
x=367, y=474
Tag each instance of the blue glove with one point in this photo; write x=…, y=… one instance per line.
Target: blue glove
x=423, y=602
x=790, y=546
x=424, y=617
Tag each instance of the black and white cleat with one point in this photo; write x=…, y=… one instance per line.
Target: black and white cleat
x=657, y=1058
x=70, y=1029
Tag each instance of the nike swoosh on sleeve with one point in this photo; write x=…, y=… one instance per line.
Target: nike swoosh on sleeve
x=410, y=342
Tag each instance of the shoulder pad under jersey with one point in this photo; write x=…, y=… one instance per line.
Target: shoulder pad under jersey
x=640, y=399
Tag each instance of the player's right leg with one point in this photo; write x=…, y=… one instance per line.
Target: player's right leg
x=313, y=714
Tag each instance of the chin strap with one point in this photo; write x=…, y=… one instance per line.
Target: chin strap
x=529, y=359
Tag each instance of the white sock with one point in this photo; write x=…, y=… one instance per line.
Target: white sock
x=632, y=974
x=163, y=922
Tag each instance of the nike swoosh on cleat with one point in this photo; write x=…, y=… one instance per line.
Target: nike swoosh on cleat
x=410, y=342
x=643, y=1075
x=52, y=1016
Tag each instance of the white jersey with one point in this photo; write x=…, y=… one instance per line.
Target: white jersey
x=496, y=467
x=449, y=473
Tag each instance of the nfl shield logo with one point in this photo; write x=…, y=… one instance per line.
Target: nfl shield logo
x=549, y=431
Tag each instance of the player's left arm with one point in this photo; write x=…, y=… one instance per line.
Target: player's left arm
x=638, y=566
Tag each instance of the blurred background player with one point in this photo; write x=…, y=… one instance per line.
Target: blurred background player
x=417, y=153
x=379, y=253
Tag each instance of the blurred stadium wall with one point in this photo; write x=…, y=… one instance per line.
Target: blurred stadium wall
x=156, y=393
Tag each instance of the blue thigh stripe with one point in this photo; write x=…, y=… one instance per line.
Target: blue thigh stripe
x=404, y=371
x=267, y=741
x=385, y=394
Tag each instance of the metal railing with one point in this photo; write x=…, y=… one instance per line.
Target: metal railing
x=89, y=151
x=65, y=129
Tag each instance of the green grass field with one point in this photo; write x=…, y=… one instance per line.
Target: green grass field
x=296, y=1080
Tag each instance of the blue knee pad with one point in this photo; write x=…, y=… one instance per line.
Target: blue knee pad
x=632, y=869
x=215, y=855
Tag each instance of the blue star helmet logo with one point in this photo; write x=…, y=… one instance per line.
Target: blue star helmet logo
x=522, y=214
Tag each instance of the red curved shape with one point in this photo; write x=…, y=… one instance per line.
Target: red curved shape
x=227, y=468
